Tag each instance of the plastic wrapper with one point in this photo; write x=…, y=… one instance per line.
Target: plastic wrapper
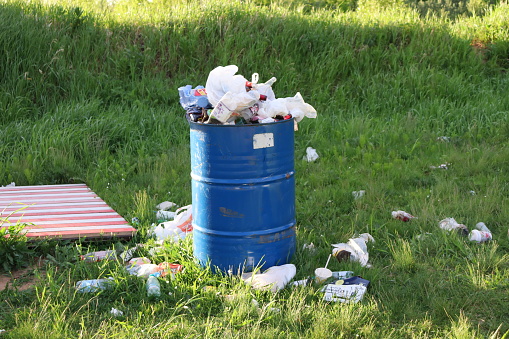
x=449, y=224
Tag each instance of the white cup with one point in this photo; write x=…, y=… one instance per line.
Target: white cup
x=480, y=236
x=322, y=274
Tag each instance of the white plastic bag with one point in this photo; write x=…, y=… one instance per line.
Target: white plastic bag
x=177, y=228
x=274, y=279
x=291, y=105
x=221, y=80
x=311, y=154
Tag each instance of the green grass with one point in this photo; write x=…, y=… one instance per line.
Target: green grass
x=88, y=94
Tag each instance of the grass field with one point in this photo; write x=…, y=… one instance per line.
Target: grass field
x=88, y=94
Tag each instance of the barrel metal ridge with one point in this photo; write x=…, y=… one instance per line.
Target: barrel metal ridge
x=242, y=234
x=252, y=181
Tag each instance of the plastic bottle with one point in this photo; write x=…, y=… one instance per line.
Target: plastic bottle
x=153, y=287
x=94, y=285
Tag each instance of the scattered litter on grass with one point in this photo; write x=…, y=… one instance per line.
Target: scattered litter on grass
x=444, y=139
x=274, y=278
x=116, y=313
x=358, y=194
x=133, y=266
x=310, y=247
x=129, y=253
x=345, y=287
x=94, y=285
x=166, y=205
x=449, y=224
x=99, y=256
x=311, y=154
x=162, y=215
x=157, y=270
x=481, y=233
x=178, y=228
x=354, y=250
x=12, y=184
x=344, y=293
x=153, y=287
x=472, y=192
x=402, y=215
x=163, y=212
x=442, y=166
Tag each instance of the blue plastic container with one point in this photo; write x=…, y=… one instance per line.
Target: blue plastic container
x=243, y=195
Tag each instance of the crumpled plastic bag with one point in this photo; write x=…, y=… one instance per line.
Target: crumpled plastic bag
x=311, y=154
x=223, y=79
x=178, y=228
x=291, y=105
x=274, y=278
x=355, y=249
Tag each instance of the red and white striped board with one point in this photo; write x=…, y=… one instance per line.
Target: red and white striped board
x=61, y=211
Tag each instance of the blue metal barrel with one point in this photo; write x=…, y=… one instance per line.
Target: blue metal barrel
x=243, y=195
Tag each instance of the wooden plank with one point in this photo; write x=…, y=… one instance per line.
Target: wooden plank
x=61, y=211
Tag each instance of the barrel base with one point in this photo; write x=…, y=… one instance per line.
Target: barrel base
x=244, y=254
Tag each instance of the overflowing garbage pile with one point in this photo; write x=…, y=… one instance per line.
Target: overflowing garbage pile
x=230, y=99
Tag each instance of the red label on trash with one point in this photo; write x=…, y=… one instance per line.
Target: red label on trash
x=187, y=226
x=200, y=92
